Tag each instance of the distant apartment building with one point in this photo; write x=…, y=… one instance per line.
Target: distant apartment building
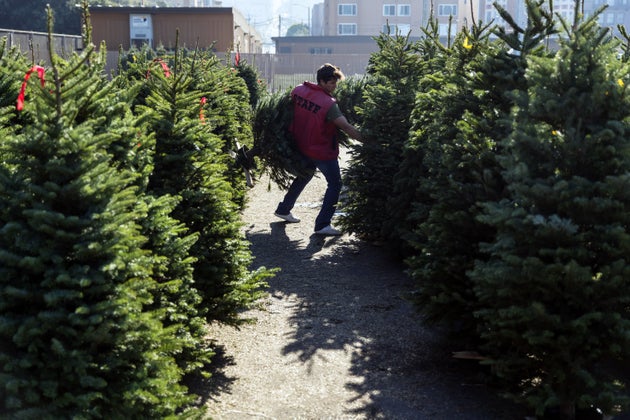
x=188, y=3
x=354, y=18
x=345, y=30
x=617, y=13
x=516, y=9
x=360, y=18
x=349, y=18
x=489, y=13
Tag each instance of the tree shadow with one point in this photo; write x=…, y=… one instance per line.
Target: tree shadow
x=218, y=383
x=352, y=299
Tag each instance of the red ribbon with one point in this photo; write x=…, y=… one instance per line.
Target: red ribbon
x=237, y=58
x=201, y=117
x=165, y=69
x=40, y=73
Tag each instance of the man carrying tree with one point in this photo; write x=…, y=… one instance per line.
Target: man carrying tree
x=316, y=117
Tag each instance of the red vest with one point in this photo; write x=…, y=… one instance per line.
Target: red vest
x=315, y=137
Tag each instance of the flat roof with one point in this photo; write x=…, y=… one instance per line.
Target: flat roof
x=331, y=38
x=162, y=10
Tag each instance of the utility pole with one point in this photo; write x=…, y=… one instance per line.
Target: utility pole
x=279, y=25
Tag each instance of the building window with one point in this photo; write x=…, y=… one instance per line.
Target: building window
x=610, y=18
x=565, y=14
x=404, y=10
x=321, y=50
x=443, y=29
x=284, y=50
x=447, y=10
x=403, y=28
x=347, y=29
x=494, y=16
x=398, y=29
x=389, y=10
x=347, y=10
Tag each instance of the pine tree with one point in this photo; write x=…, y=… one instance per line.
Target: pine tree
x=14, y=69
x=256, y=86
x=459, y=141
x=349, y=95
x=273, y=143
x=135, y=65
x=175, y=296
x=387, y=103
x=79, y=336
x=455, y=156
x=409, y=203
x=223, y=105
x=625, y=45
x=190, y=163
x=553, y=292
x=226, y=109
x=12, y=65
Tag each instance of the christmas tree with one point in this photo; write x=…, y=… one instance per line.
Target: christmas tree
x=81, y=333
x=175, y=296
x=409, y=203
x=385, y=109
x=273, y=143
x=226, y=110
x=256, y=86
x=553, y=290
x=458, y=136
x=190, y=163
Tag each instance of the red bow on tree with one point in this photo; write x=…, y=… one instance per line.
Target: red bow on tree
x=40, y=73
x=202, y=103
x=165, y=69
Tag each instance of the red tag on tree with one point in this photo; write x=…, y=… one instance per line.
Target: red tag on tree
x=40, y=73
x=165, y=69
x=203, y=102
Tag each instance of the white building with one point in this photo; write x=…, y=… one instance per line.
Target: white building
x=353, y=17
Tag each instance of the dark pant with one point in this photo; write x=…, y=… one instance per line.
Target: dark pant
x=332, y=173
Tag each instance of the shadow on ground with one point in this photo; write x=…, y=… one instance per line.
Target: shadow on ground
x=352, y=299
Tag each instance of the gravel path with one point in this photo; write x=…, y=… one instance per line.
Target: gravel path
x=335, y=338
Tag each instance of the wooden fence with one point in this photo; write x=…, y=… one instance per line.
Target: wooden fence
x=35, y=44
x=280, y=71
x=286, y=70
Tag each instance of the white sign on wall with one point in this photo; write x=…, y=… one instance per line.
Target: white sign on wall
x=141, y=29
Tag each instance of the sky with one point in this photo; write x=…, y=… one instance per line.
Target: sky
x=266, y=16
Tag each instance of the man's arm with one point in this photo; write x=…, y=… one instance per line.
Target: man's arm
x=348, y=128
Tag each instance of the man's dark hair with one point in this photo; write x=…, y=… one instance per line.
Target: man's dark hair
x=327, y=72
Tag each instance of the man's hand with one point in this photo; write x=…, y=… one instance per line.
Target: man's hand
x=348, y=128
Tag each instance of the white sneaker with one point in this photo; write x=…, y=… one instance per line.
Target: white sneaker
x=287, y=217
x=328, y=230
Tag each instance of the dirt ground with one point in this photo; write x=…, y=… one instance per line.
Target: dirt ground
x=335, y=338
